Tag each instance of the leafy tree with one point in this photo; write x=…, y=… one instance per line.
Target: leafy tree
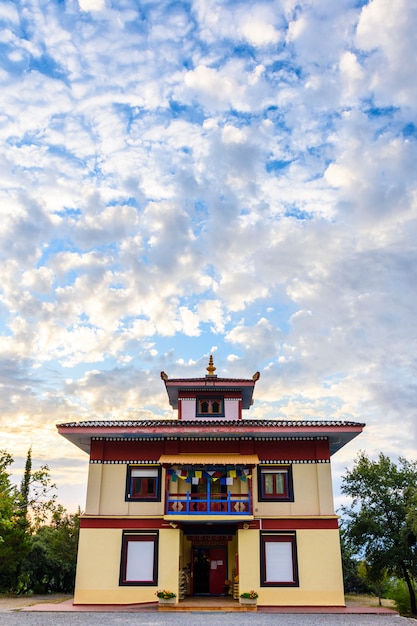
x=382, y=495
x=25, y=484
x=352, y=581
x=50, y=564
x=35, y=556
x=14, y=540
x=412, y=512
x=375, y=579
x=37, y=493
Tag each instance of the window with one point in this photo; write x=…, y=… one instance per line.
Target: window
x=139, y=561
x=279, y=560
x=210, y=407
x=275, y=483
x=143, y=483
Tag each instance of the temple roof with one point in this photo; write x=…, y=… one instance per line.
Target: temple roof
x=339, y=432
x=208, y=383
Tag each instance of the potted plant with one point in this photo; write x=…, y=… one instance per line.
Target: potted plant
x=165, y=596
x=249, y=597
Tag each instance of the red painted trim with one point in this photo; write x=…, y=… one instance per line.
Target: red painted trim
x=125, y=522
x=123, y=451
x=300, y=524
x=208, y=391
x=266, y=524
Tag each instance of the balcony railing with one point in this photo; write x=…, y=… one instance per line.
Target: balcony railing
x=208, y=504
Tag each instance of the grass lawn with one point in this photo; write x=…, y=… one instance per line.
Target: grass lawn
x=356, y=599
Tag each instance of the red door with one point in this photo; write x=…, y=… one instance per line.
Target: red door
x=209, y=569
x=217, y=570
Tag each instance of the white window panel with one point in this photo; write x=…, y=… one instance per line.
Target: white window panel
x=140, y=556
x=278, y=562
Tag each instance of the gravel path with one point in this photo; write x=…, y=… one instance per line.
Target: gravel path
x=11, y=614
x=33, y=618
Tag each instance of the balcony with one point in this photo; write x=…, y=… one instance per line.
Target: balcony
x=208, y=484
x=208, y=504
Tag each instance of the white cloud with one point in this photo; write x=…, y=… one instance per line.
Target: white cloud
x=92, y=5
x=234, y=176
x=385, y=32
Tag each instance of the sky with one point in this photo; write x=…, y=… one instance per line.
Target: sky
x=187, y=178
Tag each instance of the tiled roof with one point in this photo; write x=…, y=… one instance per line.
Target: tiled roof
x=338, y=432
x=205, y=379
x=175, y=423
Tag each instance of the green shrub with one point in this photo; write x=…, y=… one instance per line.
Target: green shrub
x=398, y=591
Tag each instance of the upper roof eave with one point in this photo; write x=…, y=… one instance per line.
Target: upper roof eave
x=175, y=385
x=339, y=432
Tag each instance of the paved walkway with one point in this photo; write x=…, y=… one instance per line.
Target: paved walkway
x=195, y=614
x=194, y=618
x=200, y=605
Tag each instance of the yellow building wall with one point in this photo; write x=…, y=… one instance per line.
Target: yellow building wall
x=92, y=506
x=248, y=555
x=169, y=559
x=231, y=558
x=106, y=493
x=319, y=570
x=185, y=552
x=313, y=494
x=98, y=568
x=324, y=479
x=319, y=562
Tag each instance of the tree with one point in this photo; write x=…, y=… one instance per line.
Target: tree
x=14, y=540
x=25, y=484
x=412, y=513
x=50, y=564
x=352, y=582
x=37, y=497
x=382, y=495
x=375, y=579
x=21, y=513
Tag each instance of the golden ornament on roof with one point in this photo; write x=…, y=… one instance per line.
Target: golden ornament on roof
x=210, y=368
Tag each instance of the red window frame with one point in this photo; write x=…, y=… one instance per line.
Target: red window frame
x=132, y=536
x=279, y=537
x=265, y=493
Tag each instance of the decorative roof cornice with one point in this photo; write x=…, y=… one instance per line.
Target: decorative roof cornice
x=338, y=432
x=181, y=424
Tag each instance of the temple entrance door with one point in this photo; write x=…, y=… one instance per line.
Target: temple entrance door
x=209, y=570
x=217, y=570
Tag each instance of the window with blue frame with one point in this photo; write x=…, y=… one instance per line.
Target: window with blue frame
x=275, y=483
x=143, y=483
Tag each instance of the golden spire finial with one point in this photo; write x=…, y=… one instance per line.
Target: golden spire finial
x=211, y=369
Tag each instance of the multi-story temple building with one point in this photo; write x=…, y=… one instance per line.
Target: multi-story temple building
x=191, y=503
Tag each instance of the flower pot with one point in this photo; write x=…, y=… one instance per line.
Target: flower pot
x=251, y=601
x=166, y=600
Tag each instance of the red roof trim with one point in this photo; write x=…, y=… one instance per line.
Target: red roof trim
x=300, y=524
x=210, y=380
x=125, y=522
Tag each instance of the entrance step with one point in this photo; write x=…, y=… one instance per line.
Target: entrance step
x=197, y=604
